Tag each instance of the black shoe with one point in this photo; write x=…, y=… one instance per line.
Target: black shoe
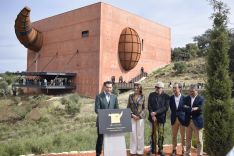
x=173, y=153
x=183, y=152
x=148, y=153
x=161, y=153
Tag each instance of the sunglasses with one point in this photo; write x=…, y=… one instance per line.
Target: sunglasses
x=157, y=87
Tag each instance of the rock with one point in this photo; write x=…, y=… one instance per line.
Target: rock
x=34, y=115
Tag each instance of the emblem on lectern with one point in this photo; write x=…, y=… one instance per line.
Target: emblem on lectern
x=115, y=117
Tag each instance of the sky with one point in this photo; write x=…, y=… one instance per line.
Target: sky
x=186, y=18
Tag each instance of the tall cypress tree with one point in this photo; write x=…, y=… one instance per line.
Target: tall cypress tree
x=231, y=53
x=218, y=107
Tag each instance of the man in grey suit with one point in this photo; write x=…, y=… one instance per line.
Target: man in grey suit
x=104, y=100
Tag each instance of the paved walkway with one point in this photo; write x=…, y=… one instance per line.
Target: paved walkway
x=167, y=150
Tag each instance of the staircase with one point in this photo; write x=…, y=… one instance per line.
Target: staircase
x=130, y=84
x=139, y=77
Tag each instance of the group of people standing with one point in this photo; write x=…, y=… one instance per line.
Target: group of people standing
x=186, y=116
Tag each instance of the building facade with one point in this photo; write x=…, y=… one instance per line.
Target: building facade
x=86, y=41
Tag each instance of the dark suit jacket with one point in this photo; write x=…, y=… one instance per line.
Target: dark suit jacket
x=177, y=112
x=196, y=116
x=101, y=103
x=160, y=107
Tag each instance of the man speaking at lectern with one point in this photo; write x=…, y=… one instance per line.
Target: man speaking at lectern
x=104, y=100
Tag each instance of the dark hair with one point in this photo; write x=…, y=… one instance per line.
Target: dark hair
x=107, y=82
x=179, y=85
x=193, y=87
x=139, y=86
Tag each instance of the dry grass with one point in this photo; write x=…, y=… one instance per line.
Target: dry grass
x=79, y=131
x=195, y=73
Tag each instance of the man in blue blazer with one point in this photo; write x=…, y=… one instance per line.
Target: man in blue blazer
x=194, y=121
x=177, y=117
x=104, y=100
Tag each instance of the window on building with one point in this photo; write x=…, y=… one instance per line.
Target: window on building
x=142, y=44
x=85, y=33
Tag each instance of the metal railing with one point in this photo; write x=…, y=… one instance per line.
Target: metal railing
x=45, y=86
x=124, y=85
x=138, y=77
x=130, y=84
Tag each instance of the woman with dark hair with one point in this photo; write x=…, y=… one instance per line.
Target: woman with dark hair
x=136, y=103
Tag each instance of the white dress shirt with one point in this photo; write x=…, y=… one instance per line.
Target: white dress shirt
x=192, y=100
x=177, y=100
x=107, y=97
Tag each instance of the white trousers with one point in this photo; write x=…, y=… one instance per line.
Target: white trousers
x=137, y=137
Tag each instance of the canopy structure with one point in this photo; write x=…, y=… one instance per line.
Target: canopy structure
x=46, y=80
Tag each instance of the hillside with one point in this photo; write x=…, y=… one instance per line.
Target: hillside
x=193, y=74
x=46, y=124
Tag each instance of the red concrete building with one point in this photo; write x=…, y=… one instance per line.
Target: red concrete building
x=87, y=41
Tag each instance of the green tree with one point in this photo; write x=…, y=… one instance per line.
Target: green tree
x=9, y=77
x=192, y=49
x=218, y=108
x=176, y=53
x=231, y=53
x=203, y=42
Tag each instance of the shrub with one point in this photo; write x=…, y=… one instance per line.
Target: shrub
x=37, y=99
x=72, y=103
x=4, y=90
x=22, y=111
x=9, y=77
x=180, y=67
